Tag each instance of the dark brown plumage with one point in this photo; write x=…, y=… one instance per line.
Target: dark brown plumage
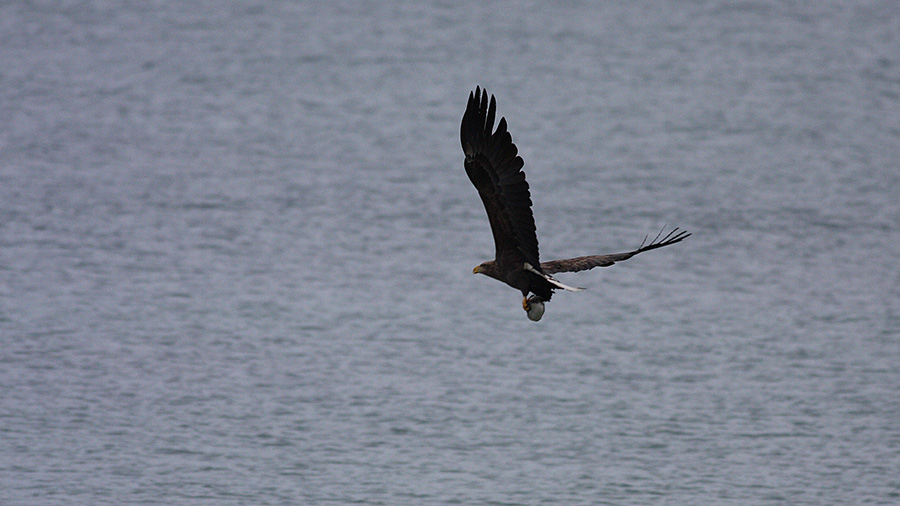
x=494, y=167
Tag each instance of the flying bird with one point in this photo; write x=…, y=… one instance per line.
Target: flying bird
x=494, y=167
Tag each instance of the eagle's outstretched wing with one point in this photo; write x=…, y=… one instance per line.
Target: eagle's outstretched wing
x=494, y=167
x=589, y=262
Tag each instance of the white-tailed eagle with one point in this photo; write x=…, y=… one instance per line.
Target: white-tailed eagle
x=493, y=165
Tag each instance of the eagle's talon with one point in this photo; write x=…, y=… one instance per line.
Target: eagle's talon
x=525, y=305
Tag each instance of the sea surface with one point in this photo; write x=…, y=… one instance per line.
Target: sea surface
x=237, y=241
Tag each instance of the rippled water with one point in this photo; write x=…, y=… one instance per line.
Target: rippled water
x=236, y=246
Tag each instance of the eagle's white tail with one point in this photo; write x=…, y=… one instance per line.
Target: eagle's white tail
x=553, y=281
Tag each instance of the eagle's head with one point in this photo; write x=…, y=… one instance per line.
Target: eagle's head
x=488, y=268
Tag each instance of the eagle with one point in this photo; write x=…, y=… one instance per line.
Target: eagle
x=494, y=167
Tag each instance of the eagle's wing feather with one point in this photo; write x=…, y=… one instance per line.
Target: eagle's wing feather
x=589, y=262
x=494, y=167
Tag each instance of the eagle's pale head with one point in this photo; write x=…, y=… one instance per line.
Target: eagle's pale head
x=488, y=268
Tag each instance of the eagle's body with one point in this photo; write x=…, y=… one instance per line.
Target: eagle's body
x=494, y=167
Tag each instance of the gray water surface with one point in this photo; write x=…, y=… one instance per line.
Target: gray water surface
x=236, y=244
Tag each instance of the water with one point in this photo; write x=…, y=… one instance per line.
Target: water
x=236, y=246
